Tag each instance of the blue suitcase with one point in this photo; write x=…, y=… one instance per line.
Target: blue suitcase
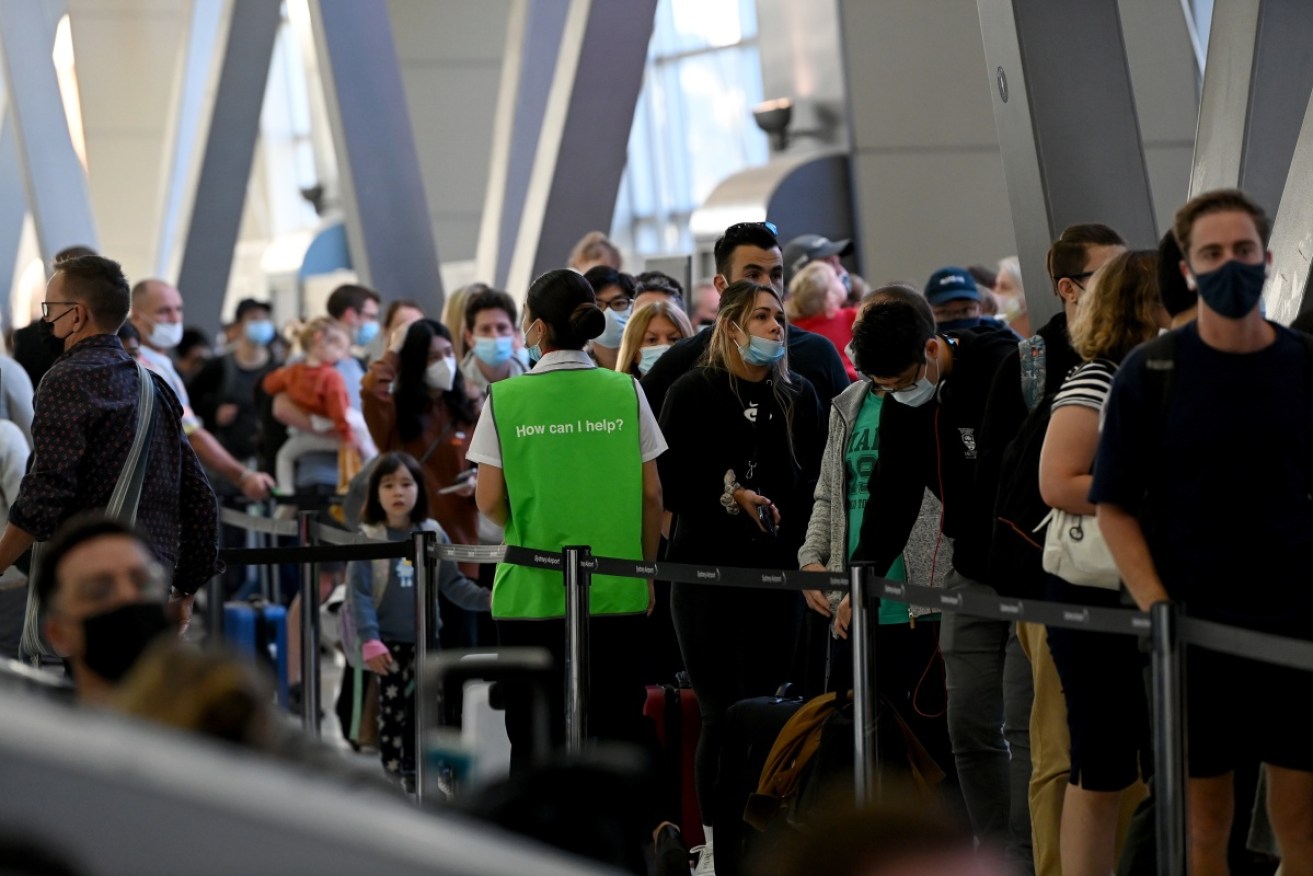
x=260, y=629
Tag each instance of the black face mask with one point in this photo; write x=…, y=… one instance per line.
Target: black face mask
x=114, y=640
x=968, y=322
x=47, y=330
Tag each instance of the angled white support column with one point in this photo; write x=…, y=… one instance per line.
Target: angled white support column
x=192, y=106
x=1292, y=232
x=387, y=217
x=1256, y=85
x=1067, y=127
x=13, y=207
x=533, y=41
x=54, y=179
x=582, y=147
x=220, y=193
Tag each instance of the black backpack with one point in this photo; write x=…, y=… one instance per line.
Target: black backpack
x=1016, y=549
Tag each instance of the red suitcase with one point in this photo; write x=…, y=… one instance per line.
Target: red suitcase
x=674, y=710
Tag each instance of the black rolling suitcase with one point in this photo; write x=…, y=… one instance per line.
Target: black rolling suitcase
x=751, y=727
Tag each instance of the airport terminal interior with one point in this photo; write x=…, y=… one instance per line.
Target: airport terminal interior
x=672, y=437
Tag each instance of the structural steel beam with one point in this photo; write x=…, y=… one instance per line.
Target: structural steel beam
x=13, y=207
x=54, y=180
x=1256, y=86
x=533, y=41
x=1292, y=232
x=1067, y=127
x=387, y=218
x=216, y=214
x=582, y=147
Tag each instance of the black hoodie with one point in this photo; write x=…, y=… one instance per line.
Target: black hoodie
x=936, y=446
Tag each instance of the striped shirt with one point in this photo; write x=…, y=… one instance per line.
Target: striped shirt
x=1087, y=385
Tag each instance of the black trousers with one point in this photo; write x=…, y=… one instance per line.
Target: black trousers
x=737, y=643
x=615, y=689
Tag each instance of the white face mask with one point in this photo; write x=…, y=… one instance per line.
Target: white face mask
x=441, y=375
x=923, y=391
x=166, y=335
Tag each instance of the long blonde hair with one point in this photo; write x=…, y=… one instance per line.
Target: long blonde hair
x=627, y=358
x=1120, y=308
x=736, y=304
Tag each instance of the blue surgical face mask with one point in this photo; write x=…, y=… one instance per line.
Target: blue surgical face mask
x=762, y=351
x=366, y=332
x=615, y=327
x=534, y=350
x=1234, y=289
x=260, y=331
x=969, y=322
x=647, y=356
x=494, y=352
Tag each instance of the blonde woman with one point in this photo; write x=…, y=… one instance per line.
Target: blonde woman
x=745, y=436
x=1107, y=715
x=654, y=328
x=816, y=303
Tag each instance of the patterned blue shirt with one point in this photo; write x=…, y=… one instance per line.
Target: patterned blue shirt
x=82, y=431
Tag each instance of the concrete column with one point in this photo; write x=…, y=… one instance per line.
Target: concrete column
x=1067, y=127
x=929, y=188
x=582, y=147
x=54, y=179
x=1292, y=232
x=387, y=216
x=533, y=40
x=1256, y=86
x=220, y=193
x=1165, y=74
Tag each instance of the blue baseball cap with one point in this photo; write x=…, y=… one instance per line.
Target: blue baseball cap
x=950, y=284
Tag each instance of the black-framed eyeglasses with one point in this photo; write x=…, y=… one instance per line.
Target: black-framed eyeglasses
x=45, y=307
x=619, y=303
x=925, y=364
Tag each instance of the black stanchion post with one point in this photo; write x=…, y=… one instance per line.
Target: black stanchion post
x=577, y=581
x=1169, y=783
x=866, y=750
x=214, y=611
x=309, y=632
x=425, y=561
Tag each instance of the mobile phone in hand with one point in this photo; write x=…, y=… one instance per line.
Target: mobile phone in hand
x=767, y=519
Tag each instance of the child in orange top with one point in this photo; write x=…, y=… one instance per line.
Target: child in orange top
x=317, y=387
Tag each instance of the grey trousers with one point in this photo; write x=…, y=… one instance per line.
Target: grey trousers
x=989, y=699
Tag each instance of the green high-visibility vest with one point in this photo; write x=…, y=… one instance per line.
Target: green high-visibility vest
x=574, y=476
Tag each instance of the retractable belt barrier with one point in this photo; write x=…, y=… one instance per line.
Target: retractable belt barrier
x=1165, y=629
x=267, y=525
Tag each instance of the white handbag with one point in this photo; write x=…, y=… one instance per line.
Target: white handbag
x=1075, y=551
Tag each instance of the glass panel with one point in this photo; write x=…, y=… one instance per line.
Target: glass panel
x=693, y=123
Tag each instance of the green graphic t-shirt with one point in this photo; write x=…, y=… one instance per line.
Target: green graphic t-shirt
x=863, y=450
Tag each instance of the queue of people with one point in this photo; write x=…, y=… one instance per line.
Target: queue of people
x=927, y=434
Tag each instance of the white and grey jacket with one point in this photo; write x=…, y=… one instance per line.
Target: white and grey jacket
x=827, y=532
